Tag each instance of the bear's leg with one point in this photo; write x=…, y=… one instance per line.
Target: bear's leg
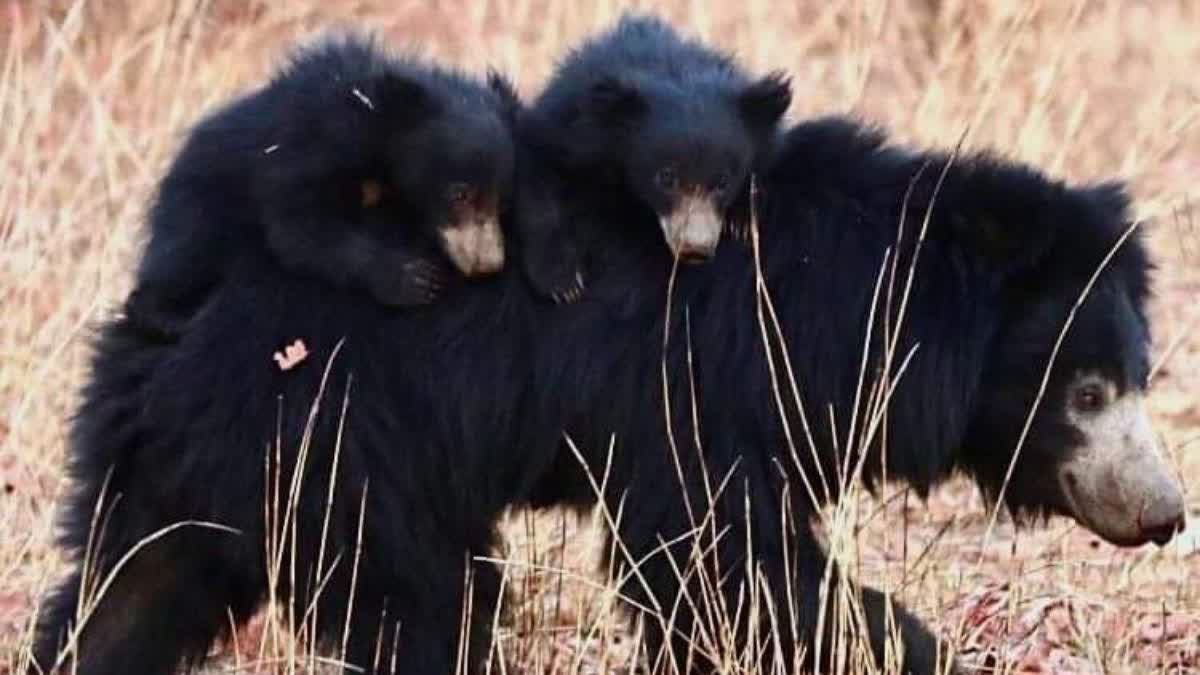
x=415, y=626
x=364, y=643
x=814, y=586
x=920, y=646
x=689, y=627
x=550, y=249
x=162, y=610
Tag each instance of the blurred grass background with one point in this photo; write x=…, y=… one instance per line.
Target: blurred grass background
x=95, y=96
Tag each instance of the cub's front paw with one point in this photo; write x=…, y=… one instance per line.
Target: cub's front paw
x=563, y=288
x=413, y=283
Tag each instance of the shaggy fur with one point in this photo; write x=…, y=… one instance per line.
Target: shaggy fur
x=458, y=412
x=632, y=125
x=349, y=166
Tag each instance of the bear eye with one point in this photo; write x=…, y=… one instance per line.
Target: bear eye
x=371, y=193
x=458, y=193
x=1089, y=398
x=666, y=178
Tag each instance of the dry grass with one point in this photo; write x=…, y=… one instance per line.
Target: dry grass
x=94, y=97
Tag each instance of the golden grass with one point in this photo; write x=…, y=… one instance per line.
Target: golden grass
x=95, y=96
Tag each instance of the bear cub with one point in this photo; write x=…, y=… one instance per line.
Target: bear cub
x=639, y=121
x=365, y=170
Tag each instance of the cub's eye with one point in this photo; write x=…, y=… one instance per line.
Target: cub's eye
x=1088, y=398
x=666, y=178
x=371, y=193
x=458, y=193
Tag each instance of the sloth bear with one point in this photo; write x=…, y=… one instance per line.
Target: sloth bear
x=639, y=124
x=710, y=446
x=351, y=166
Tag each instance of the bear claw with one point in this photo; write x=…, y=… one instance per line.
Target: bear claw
x=572, y=293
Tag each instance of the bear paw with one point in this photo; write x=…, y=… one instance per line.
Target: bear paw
x=411, y=284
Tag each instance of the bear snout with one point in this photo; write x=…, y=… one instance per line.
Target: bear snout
x=476, y=248
x=1163, y=515
x=1118, y=482
x=693, y=229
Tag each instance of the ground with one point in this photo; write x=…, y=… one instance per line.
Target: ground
x=94, y=98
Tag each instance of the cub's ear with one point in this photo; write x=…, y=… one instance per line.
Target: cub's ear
x=615, y=101
x=403, y=99
x=1110, y=200
x=762, y=103
x=503, y=87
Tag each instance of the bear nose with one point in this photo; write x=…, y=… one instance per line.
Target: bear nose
x=1161, y=518
x=693, y=256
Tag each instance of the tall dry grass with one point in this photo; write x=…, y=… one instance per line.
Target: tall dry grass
x=94, y=96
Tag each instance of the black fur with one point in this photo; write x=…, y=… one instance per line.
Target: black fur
x=632, y=121
x=345, y=166
x=456, y=413
x=1006, y=254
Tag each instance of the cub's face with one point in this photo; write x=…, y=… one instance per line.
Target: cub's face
x=687, y=150
x=691, y=179
x=428, y=156
x=406, y=157
x=1091, y=452
x=461, y=172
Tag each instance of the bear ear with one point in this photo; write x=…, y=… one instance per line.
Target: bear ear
x=615, y=101
x=1001, y=248
x=1014, y=219
x=1110, y=199
x=503, y=87
x=762, y=103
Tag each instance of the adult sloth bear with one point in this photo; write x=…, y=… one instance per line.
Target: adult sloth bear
x=371, y=518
